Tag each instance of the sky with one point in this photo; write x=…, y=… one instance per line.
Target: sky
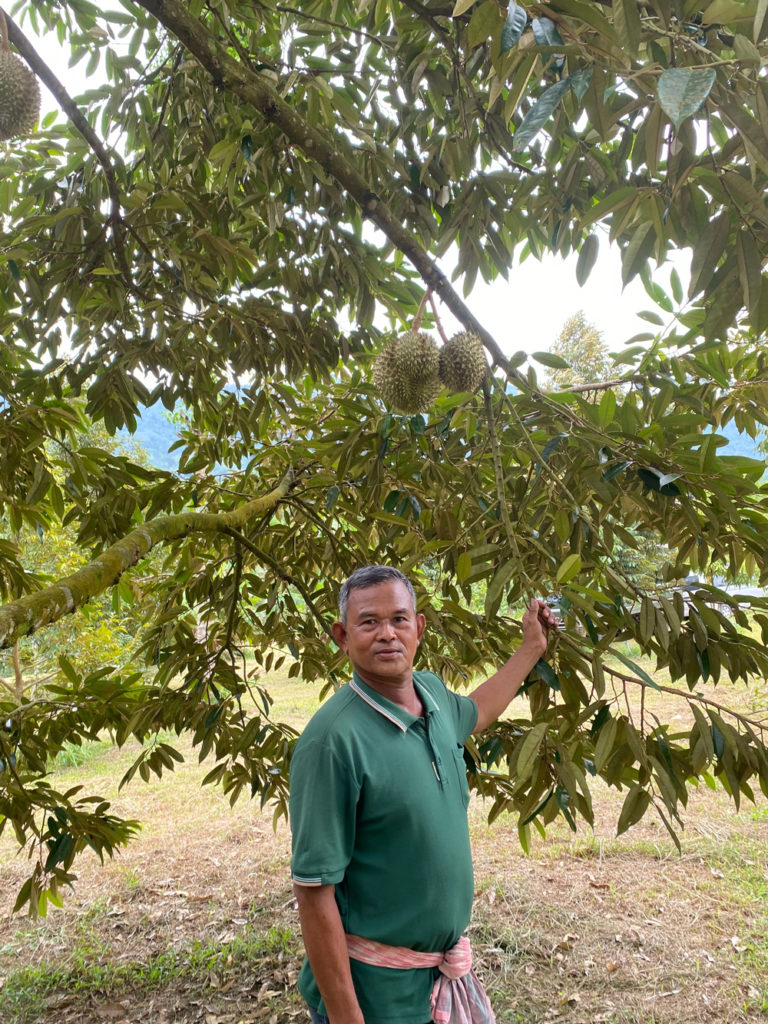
x=525, y=312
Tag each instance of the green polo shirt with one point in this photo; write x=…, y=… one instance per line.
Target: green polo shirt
x=379, y=809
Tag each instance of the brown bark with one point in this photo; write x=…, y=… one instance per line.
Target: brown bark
x=18, y=675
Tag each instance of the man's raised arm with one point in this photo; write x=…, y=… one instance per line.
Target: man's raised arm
x=493, y=696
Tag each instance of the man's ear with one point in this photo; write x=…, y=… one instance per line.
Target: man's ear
x=421, y=625
x=339, y=634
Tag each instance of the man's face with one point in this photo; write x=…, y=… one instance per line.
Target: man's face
x=382, y=633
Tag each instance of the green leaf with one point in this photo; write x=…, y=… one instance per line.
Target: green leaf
x=332, y=497
x=626, y=20
x=580, y=81
x=634, y=667
x=634, y=807
x=635, y=254
x=547, y=674
x=587, y=258
x=551, y=360
x=546, y=35
x=725, y=12
x=750, y=271
x=681, y=91
x=609, y=474
x=462, y=6
x=569, y=568
x=464, y=566
x=529, y=751
x=539, y=114
x=514, y=26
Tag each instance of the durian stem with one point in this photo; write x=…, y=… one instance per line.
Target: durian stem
x=436, y=315
x=498, y=472
x=416, y=325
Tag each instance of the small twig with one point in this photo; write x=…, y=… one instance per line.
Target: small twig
x=416, y=324
x=691, y=698
x=286, y=577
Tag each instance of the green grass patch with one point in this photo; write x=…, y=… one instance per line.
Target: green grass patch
x=87, y=971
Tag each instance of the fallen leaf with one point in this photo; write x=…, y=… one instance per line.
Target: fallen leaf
x=111, y=1010
x=716, y=873
x=571, y=1000
x=611, y=967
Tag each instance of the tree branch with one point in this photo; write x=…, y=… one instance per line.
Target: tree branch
x=332, y=154
x=691, y=698
x=73, y=112
x=30, y=613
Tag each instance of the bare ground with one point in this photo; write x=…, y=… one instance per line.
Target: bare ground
x=195, y=922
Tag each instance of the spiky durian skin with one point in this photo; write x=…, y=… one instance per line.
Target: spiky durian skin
x=406, y=372
x=462, y=362
x=19, y=97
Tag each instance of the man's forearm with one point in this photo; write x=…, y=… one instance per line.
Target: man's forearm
x=494, y=695
x=326, y=947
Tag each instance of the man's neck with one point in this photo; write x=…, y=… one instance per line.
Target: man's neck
x=400, y=691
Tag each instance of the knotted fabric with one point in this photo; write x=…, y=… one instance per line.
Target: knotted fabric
x=457, y=998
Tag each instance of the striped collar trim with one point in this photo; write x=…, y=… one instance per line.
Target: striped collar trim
x=387, y=708
x=378, y=707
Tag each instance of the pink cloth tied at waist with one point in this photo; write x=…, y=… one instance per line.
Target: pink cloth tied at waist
x=457, y=998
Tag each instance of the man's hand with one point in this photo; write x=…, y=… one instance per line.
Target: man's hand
x=538, y=620
x=493, y=696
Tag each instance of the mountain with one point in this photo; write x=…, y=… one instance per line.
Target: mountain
x=155, y=433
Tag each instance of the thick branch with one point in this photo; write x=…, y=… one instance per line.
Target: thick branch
x=76, y=116
x=332, y=154
x=29, y=613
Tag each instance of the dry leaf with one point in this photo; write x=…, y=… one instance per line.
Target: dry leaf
x=611, y=967
x=111, y=1010
x=571, y=1000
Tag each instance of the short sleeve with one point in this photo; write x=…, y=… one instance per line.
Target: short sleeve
x=466, y=713
x=323, y=802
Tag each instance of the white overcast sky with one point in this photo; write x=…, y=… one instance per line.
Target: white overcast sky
x=527, y=311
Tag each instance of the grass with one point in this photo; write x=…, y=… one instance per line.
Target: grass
x=196, y=919
x=86, y=975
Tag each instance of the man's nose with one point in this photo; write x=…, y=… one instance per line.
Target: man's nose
x=386, y=629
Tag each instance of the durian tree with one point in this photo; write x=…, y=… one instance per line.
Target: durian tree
x=252, y=206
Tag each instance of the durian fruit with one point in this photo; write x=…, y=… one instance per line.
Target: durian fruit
x=462, y=362
x=19, y=96
x=406, y=372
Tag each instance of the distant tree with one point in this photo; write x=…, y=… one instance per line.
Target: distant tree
x=582, y=347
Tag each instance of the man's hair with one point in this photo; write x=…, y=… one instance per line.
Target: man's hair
x=371, y=576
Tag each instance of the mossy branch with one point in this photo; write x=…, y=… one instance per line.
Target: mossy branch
x=32, y=612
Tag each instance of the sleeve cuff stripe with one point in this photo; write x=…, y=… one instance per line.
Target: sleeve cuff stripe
x=306, y=881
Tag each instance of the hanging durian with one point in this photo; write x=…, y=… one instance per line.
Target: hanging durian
x=406, y=372
x=462, y=362
x=19, y=91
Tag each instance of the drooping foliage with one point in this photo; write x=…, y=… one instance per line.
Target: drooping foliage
x=246, y=200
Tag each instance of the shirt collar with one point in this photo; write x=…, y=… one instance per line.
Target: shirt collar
x=391, y=711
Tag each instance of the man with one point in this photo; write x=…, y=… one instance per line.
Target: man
x=381, y=864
